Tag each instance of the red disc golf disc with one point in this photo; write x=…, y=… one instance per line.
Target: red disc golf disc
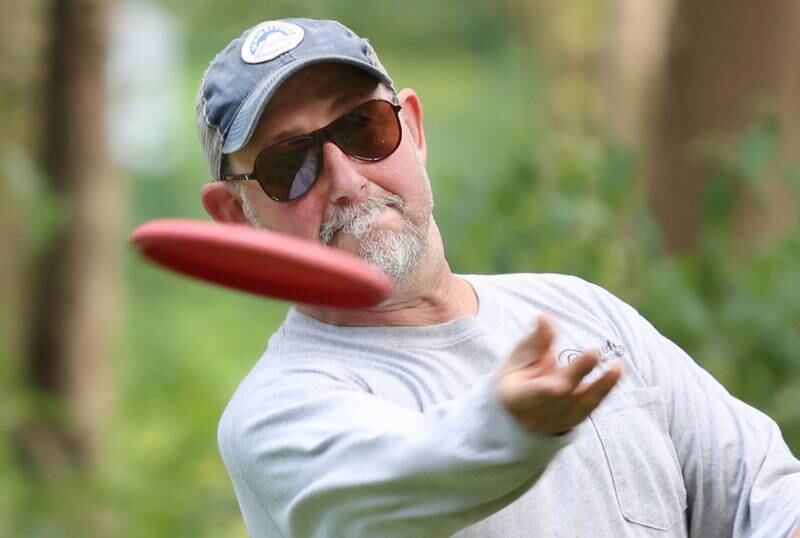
x=261, y=262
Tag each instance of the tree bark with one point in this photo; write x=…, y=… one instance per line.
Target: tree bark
x=76, y=281
x=636, y=50
x=566, y=40
x=730, y=63
x=20, y=55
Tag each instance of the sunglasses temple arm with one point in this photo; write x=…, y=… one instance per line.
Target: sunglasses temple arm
x=229, y=177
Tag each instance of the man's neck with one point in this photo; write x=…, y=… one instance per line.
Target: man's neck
x=431, y=295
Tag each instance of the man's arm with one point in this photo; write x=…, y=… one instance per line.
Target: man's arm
x=324, y=458
x=740, y=476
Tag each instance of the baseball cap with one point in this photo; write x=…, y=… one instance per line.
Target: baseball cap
x=243, y=77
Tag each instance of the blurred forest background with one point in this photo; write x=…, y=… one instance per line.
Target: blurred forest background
x=650, y=146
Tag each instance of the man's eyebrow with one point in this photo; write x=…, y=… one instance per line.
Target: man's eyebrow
x=341, y=100
x=335, y=104
x=290, y=132
x=283, y=135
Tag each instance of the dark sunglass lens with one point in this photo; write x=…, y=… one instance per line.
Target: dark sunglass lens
x=288, y=170
x=305, y=178
x=370, y=131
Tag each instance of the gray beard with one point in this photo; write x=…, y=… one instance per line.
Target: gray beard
x=396, y=253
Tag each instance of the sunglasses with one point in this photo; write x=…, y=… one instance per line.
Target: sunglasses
x=288, y=169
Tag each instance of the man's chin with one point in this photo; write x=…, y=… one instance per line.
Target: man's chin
x=390, y=243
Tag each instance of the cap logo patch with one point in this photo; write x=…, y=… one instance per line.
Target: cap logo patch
x=269, y=40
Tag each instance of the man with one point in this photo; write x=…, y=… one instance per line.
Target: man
x=475, y=406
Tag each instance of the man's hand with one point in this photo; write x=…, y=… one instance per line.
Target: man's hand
x=544, y=397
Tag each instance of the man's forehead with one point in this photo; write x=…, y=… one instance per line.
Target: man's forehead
x=326, y=81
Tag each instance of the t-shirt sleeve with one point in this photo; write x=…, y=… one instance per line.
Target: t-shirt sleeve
x=325, y=458
x=740, y=476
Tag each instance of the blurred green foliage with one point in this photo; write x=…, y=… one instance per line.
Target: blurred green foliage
x=508, y=200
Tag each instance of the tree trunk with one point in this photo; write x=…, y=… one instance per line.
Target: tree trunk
x=565, y=39
x=636, y=49
x=76, y=282
x=20, y=56
x=730, y=63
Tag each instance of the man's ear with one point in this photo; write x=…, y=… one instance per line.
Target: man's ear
x=412, y=115
x=222, y=204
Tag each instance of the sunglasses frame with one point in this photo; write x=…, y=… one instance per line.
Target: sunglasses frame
x=318, y=138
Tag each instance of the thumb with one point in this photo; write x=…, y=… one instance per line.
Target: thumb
x=533, y=346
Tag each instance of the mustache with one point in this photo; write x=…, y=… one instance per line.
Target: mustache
x=357, y=219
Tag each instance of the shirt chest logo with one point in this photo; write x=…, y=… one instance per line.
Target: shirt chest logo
x=608, y=352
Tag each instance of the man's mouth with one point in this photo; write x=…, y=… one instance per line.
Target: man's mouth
x=357, y=220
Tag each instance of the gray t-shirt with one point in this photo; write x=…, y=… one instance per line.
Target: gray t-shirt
x=396, y=431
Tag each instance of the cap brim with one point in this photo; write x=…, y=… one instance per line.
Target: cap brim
x=247, y=117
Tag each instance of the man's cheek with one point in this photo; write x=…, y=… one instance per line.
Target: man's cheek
x=303, y=220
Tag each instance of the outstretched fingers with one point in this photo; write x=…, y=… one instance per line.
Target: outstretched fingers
x=543, y=336
x=560, y=383
x=544, y=397
x=534, y=348
x=580, y=368
x=560, y=401
x=589, y=395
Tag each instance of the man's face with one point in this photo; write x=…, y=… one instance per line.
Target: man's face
x=378, y=210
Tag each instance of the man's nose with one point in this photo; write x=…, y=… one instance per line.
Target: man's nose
x=344, y=179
